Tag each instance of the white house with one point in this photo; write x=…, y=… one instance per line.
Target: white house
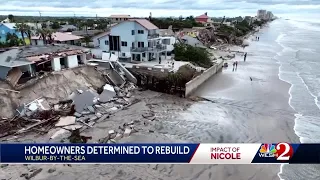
x=58, y=38
x=96, y=39
x=134, y=40
x=169, y=42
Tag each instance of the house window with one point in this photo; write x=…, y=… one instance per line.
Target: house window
x=132, y=32
x=143, y=54
x=123, y=54
x=140, y=31
x=106, y=42
x=116, y=19
x=124, y=43
x=140, y=44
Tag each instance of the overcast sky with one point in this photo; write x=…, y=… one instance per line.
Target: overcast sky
x=161, y=8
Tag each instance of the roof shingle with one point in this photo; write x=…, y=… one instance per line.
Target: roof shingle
x=145, y=23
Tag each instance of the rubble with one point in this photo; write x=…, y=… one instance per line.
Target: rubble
x=77, y=138
x=51, y=170
x=82, y=109
x=65, y=121
x=107, y=94
x=150, y=116
x=58, y=133
x=33, y=174
x=83, y=100
x=111, y=132
x=127, y=132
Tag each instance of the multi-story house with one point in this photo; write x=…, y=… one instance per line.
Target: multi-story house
x=119, y=18
x=134, y=40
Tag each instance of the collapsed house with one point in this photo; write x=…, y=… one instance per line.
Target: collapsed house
x=18, y=65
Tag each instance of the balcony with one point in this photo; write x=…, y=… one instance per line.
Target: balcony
x=151, y=36
x=156, y=48
x=139, y=49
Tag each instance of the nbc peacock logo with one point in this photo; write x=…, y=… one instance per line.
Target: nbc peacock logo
x=267, y=150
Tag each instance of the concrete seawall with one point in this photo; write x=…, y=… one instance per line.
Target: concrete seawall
x=192, y=85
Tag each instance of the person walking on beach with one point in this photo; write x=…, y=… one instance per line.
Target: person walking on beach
x=245, y=57
x=258, y=38
x=236, y=63
x=233, y=65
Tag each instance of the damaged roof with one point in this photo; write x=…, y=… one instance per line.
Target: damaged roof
x=29, y=54
x=10, y=59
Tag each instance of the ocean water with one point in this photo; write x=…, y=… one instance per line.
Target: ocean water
x=299, y=65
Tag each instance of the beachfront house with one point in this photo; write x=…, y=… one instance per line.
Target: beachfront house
x=24, y=63
x=202, y=19
x=134, y=40
x=6, y=28
x=58, y=38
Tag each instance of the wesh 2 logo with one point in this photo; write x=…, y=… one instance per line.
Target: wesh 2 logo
x=281, y=151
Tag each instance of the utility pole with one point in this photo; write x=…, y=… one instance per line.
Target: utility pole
x=37, y=21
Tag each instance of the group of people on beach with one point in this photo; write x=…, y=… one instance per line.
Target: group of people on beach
x=257, y=38
x=235, y=66
x=235, y=63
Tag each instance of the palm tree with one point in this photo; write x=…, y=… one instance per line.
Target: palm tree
x=42, y=35
x=29, y=32
x=49, y=33
x=87, y=40
x=23, y=29
x=10, y=17
x=12, y=39
x=46, y=35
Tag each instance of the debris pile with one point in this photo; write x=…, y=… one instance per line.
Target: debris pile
x=128, y=128
x=207, y=36
x=82, y=109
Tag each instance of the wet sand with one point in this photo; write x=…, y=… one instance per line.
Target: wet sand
x=254, y=111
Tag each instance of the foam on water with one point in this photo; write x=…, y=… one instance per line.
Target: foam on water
x=305, y=25
x=292, y=64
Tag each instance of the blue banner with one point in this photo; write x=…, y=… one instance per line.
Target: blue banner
x=288, y=153
x=97, y=153
x=161, y=153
